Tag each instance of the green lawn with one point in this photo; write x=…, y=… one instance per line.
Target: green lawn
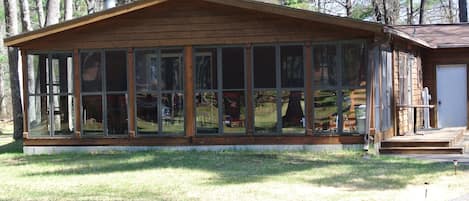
x=222, y=176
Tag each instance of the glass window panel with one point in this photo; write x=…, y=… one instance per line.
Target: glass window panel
x=292, y=70
x=354, y=67
x=172, y=112
x=265, y=112
x=293, y=119
x=37, y=73
x=116, y=70
x=92, y=115
x=172, y=69
x=206, y=68
x=62, y=73
x=147, y=113
x=146, y=70
x=325, y=111
x=63, y=115
x=325, y=65
x=354, y=111
x=264, y=67
x=117, y=118
x=234, y=112
x=233, y=68
x=91, y=80
x=206, y=112
x=38, y=116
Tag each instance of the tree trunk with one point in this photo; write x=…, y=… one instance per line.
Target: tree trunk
x=377, y=10
x=40, y=13
x=450, y=11
x=68, y=4
x=462, y=11
x=91, y=6
x=26, y=17
x=422, y=11
x=53, y=12
x=385, y=12
x=348, y=8
x=11, y=21
x=410, y=12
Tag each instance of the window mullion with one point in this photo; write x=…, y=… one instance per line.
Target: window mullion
x=220, y=90
x=159, y=95
x=278, y=79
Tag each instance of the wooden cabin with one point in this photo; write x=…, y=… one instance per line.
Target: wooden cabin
x=189, y=73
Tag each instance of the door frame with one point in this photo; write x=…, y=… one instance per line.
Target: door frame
x=437, y=86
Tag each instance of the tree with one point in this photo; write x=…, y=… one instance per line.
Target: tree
x=11, y=22
x=462, y=11
x=40, y=13
x=422, y=11
x=53, y=12
x=25, y=16
x=68, y=9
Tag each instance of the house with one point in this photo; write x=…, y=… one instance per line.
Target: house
x=239, y=73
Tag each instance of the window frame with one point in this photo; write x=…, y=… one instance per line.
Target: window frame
x=49, y=94
x=104, y=94
x=159, y=92
x=219, y=89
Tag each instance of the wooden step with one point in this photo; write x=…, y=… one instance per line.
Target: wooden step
x=421, y=150
x=425, y=143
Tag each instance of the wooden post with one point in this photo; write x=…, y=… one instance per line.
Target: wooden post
x=77, y=92
x=309, y=88
x=249, y=86
x=189, y=122
x=24, y=66
x=131, y=86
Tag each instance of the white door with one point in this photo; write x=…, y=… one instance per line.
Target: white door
x=451, y=91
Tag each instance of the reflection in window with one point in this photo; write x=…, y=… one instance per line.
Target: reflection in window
x=325, y=111
x=325, y=69
x=354, y=111
x=171, y=69
x=233, y=68
x=146, y=70
x=159, y=79
x=38, y=116
x=93, y=115
x=50, y=86
x=265, y=112
x=354, y=67
x=234, y=112
x=116, y=70
x=147, y=113
x=172, y=112
x=206, y=69
x=207, y=112
x=293, y=119
x=117, y=114
x=91, y=78
x=292, y=66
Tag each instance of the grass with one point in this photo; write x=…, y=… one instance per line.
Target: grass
x=161, y=175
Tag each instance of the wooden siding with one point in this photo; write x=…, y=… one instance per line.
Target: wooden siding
x=184, y=22
x=432, y=58
x=402, y=122
x=184, y=140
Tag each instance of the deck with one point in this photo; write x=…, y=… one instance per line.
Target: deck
x=434, y=141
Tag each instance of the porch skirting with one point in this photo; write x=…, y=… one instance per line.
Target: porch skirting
x=36, y=150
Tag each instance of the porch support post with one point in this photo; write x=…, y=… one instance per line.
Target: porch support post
x=131, y=90
x=24, y=66
x=189, y=122
x=309, y=88
x=76, y=92
x=249, y=92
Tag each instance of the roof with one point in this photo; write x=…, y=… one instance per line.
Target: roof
x=245, y=4
x=434, y=36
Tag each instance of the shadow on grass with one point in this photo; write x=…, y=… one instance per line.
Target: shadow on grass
x=338, y=170
x=12, y=147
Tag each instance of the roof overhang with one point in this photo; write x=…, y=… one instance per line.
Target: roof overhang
x=406, y=36
x=245, y=4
